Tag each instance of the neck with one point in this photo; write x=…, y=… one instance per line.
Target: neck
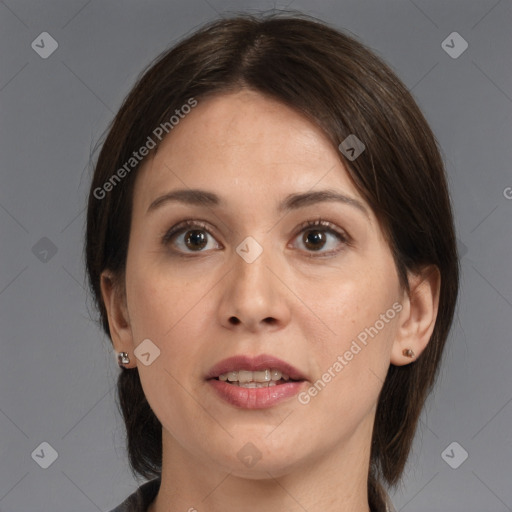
x=333, y=481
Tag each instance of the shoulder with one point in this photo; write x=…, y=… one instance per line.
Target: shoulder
x=141, y=498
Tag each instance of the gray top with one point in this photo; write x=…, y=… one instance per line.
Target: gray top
x=140, y=500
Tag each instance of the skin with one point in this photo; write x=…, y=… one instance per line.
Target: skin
x=292, y=302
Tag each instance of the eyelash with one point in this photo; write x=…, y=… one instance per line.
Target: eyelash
x=342, y=236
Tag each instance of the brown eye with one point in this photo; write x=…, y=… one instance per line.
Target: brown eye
x=320, y=234
x=195, y=239
x=190, y=236
x=314, y=239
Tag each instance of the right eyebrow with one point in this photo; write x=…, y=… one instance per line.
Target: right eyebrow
x=196, y=197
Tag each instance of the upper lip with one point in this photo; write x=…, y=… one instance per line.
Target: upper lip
x=261, y=362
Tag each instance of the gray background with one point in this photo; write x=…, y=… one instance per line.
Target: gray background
x=57, y=370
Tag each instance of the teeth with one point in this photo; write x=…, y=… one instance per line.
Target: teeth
x=259, y=377
x=255, y=384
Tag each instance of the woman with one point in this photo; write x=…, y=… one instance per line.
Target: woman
x=270, y=244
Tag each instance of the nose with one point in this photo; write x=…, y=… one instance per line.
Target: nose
x=253, y=298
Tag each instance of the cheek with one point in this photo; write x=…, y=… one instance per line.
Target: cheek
x=150, y=301
x=171, y=309
x=164, y=309
x=356, y=298
x=159, y=294
x=353, y=360
x=358, y=311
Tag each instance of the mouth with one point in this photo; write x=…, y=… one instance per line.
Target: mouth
x=280, y=381
x=255, y=372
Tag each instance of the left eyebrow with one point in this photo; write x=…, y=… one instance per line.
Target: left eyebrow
x=200, y=197
x=295, y=201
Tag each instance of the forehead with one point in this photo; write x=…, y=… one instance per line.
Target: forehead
x=243, y=143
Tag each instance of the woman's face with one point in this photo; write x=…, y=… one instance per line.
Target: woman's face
x=325, y=300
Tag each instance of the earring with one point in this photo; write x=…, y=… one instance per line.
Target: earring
x=122, y=358
x=408, y=352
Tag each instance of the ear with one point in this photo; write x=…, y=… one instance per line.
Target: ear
x=114, y=297
x=418, y=316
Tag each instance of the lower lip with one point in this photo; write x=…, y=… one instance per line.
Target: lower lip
x=255, y=398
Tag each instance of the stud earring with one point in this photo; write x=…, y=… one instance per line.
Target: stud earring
x=122, y=358
x=408, y=352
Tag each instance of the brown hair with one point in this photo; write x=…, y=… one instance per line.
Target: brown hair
x=345, y=89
